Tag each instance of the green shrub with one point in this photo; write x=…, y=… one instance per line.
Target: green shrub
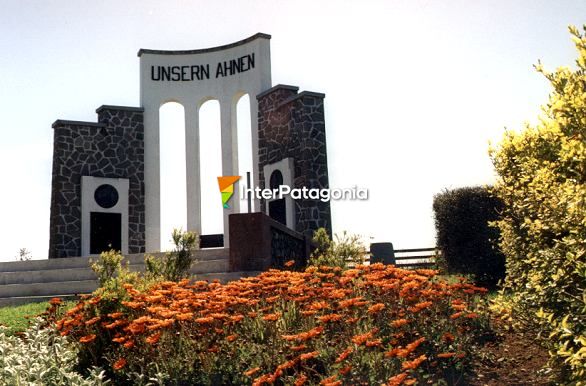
x=41, y=357
x=175, y=265
x=466, y=240
x=543, y=228
x=115, y=278
x=341, y=251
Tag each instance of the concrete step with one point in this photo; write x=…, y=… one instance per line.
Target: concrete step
x=48, y=289
x=84, y=262
x=77, y=274
x=15, y=294
x=49, y=276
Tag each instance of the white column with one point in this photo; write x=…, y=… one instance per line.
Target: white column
x=152, y=178
x=229, y=157
x=193, y=175
x=254, y=142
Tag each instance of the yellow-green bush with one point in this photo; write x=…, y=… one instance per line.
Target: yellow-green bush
x=543, y=228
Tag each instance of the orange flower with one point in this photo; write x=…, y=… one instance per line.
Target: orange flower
x=376, y=308
x=55, y=301
x=448, y=338
x=373, y=343
x=87, y=338
x=204, y=320
x=345, y=370
x=154, y=338
x=236, y=318
x=308, y=313
x=120, y=363
x=331, y=381
x=344, y=355
x=399, y=322
x=287, y=364
x=129, y=344
x=362, y=338
x=133, y=305
x=251, y=372
x=329, y=318
x=420, y=306
x=350, y=302
x=185, y=316
x=231, y=338
x=304, y=335
x=92, y=321
x=300, y=381
x=472, y=315
x=414, y=363
x=298, y=348
x=290, y=263
x=446, y=355
x=309, y=355
x=272, y=317
x=456, y=315
x=397, y=379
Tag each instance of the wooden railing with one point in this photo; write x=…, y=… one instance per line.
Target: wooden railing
x=416, y=258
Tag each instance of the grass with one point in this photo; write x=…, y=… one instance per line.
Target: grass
x=17, y=317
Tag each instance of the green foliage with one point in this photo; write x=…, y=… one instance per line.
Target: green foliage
x=41, y=357
x=116, y=278
x=176, y=264
x=345, y=249
x=543, y=228
x=112, y=275
x=466, y=241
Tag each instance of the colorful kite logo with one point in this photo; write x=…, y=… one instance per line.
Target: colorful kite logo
x=227, y=188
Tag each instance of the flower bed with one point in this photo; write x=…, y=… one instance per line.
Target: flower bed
x=369, y=325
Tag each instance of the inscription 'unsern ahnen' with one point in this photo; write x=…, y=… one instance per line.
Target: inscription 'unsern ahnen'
x=190, y=73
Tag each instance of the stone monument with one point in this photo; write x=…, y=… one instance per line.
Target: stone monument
x=106, y=174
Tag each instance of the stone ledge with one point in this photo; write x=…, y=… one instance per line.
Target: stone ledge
x=302, y=94
x=259, y=35
x=124, y=108
x=63, y=122
x=276, y=88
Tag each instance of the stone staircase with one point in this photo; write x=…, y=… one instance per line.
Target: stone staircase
x=40, y=280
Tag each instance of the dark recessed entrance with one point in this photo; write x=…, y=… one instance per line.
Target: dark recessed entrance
x=277, y=208
x=105, y=232
x=277, y=211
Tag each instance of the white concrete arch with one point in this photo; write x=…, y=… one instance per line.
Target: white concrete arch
x=173, y=190
x=189, y=77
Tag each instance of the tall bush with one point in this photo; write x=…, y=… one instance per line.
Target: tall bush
x=543, y=229
x=466, y=240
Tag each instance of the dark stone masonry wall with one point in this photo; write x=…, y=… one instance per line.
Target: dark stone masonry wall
x=292, y=125
x=111, y=148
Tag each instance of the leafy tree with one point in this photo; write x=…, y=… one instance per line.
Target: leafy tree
x=543, y=228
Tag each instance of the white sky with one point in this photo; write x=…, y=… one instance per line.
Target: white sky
x=414, y=89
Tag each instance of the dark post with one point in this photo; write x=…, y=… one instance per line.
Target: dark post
x=382, y=253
